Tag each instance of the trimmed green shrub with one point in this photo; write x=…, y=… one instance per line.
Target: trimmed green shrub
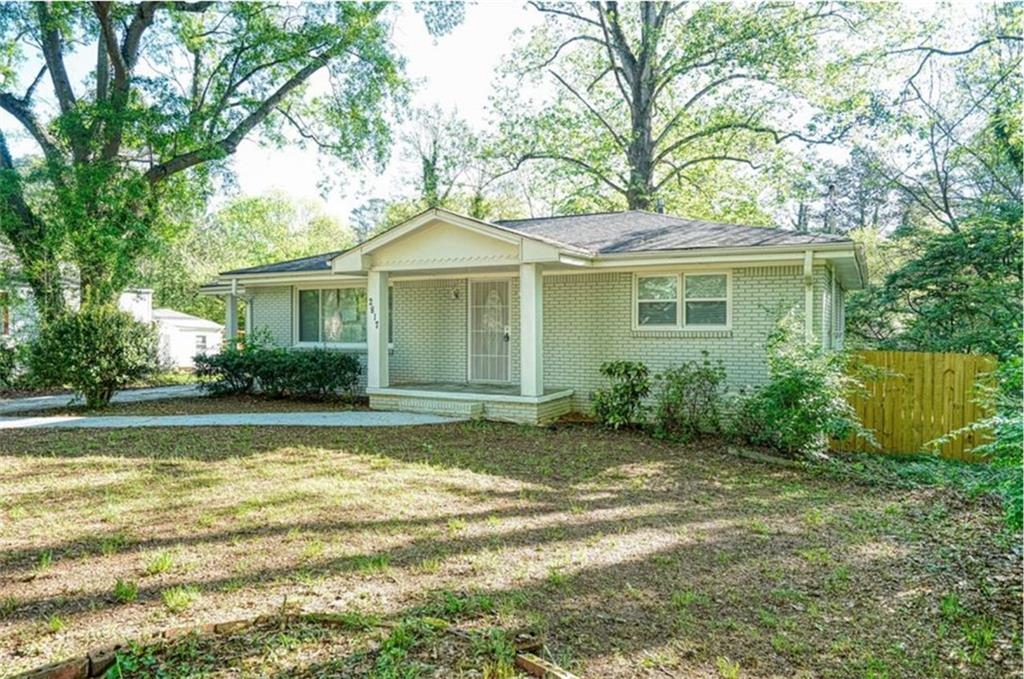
x=233, y=369
x=95, y=351
x=252, y=367
x=804, y=403
x=320, y=374
x=689, y=401
x=622, y=404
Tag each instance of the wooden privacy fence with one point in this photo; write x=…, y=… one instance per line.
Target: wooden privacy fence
x=919, y=397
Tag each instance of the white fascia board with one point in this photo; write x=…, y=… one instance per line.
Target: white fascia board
x=299, y=278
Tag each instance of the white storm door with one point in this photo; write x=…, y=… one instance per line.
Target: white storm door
x=489, y=331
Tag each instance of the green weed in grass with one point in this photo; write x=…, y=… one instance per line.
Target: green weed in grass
x=55, y=624
x=980, y=634
x=557, y=578
x=159, y=563
x=447, y=604
x=683, y=599
x=950, y=606
x=838, y=578
x=355, y=620
x=815, y=555
x=313, y=549
x=758, y=527
x=178, y=598
x=8, y=605
x=45, y=562
x=727, y=669
x=125, y=591
x=375, y=563
x=112, y=544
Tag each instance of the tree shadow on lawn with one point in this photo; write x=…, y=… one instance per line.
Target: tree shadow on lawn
x=625, y=550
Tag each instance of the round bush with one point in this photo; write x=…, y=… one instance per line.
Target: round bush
x=95, y=351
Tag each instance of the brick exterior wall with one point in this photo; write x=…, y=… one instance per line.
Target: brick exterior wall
x=271, y=312
x=587, y=320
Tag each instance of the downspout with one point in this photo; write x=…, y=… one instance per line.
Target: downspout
x=809, y=296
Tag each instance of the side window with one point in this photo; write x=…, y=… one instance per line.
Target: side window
x=706, y=300
x=657, y=301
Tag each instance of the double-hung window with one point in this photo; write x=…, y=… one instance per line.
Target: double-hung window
x=336, y=316
x=332, y=316
x=683, y=301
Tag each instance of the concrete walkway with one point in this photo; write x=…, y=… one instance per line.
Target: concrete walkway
x=20, y=405
x=345, y=418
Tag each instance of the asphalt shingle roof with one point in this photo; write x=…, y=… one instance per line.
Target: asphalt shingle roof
x=639, y=231
x=610, y=233
x=321, y=262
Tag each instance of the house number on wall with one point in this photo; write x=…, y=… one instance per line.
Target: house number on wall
x=373, y=313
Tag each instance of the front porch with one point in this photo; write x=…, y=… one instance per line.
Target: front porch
x=467, y=335
x=502, y=402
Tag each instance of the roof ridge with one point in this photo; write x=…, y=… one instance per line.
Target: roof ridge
x=582, y=214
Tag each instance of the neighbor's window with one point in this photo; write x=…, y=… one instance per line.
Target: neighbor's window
x=657, y=300
x=200, y=343
x=683, y=301
x=706, y=299
x=336, y=316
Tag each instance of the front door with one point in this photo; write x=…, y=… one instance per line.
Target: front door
x=489, y=331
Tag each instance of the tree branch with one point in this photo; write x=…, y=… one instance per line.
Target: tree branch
x=704, y=159
x=615, y=135
x=230, y=142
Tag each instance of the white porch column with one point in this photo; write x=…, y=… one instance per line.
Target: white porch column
x=231, y=317
x=531, y=330
x=377, y=329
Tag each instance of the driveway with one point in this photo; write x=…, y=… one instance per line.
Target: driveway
x=348, y=418
x=20, y=405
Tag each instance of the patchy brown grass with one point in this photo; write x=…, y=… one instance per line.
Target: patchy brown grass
x=203, y=405
x=629, y=557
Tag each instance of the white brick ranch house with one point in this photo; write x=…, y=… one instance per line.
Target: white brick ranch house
x=511, y=320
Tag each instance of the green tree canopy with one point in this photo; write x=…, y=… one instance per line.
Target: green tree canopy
x=245, y=231
x=174, y=88
x=655, y=100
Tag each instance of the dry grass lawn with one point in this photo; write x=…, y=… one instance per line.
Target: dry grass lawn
x=627, y=556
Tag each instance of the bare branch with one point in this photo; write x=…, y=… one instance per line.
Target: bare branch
x=611, y=130
x=677, y=169
x=229, y=143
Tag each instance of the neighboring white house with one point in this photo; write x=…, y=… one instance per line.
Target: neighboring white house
x=182, y=336
x=512, y=320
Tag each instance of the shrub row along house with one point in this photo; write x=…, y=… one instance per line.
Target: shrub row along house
x=511, y=320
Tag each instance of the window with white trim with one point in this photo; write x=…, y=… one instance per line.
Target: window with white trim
x=657, y=301
x=681, y=301
x=200, y=344
x=332, y=316
x=706, y=300
x=337, y=316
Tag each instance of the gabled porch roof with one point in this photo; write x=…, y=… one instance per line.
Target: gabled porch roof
x=441, y=239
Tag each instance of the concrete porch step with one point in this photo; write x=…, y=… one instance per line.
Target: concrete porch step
x=455, y=408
